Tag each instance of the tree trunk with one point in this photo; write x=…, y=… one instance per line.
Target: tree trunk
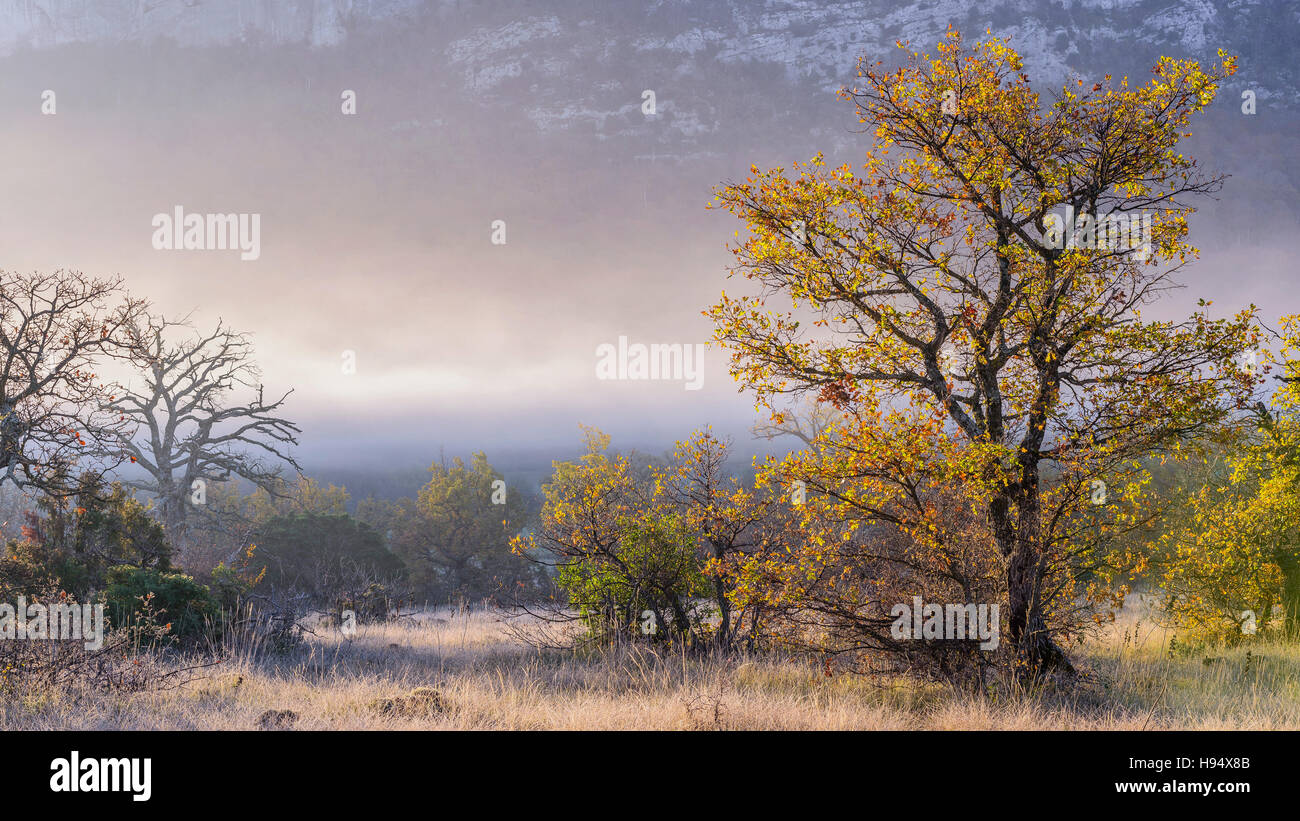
x=724, y=611
x=723, y=637
x=1289, y=564
x=172, y=504
x=1019, y=541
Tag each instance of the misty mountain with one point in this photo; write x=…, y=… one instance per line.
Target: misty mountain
x=487, y=45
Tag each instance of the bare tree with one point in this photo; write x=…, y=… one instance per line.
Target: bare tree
x=805, y=421
x=55, y=330
x=194, y=433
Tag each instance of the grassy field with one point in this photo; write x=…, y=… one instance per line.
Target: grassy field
x=477, y=676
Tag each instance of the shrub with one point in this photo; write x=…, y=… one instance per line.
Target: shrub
x=27, y=569
x=230, y=587
x=644, y=586
x=189, y=608
x=314, y=552
x=70, y=542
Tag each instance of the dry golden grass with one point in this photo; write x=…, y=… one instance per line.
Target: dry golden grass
x=485, y=679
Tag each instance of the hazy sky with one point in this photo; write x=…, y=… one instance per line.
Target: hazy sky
x=376, y=228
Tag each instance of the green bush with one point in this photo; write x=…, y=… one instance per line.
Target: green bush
x=645, y=586
x=229, y=587
x=28, y=569
x=318, y=552
x=69, y=543
x=139, y=594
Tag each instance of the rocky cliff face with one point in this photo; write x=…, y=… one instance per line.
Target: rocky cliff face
x=591, y=44
x=560, y=84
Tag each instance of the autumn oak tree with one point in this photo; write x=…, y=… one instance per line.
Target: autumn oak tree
x=661, y=548
x=967, y=337
x=1230, y=561
x=729, y=523
x=456, y=535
